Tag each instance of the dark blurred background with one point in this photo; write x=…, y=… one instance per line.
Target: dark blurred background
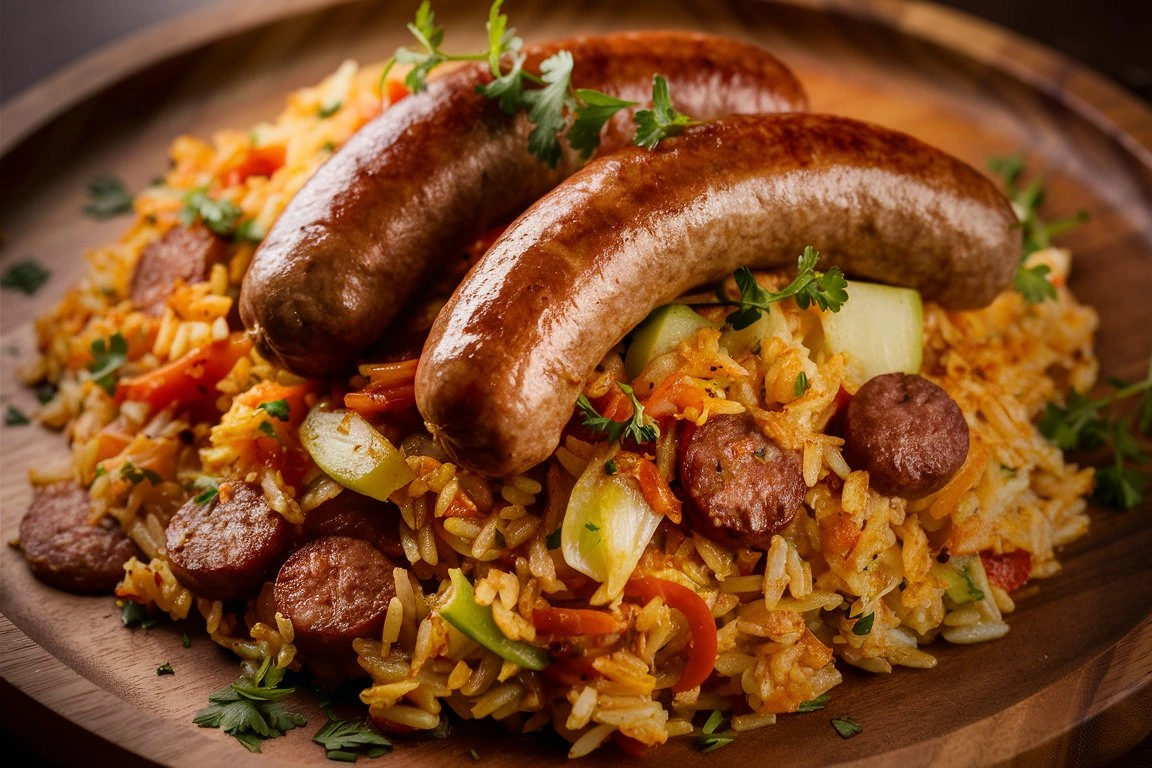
x=38, y=37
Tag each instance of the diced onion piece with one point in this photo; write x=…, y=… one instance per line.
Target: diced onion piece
x=606, y=527
x=880, y=330
x=353, y=453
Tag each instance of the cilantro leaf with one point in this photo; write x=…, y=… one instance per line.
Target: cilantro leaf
x=107, y=358
x=107, y=197
x=825, y=289
x=846, y=727
x=220, y=216
x=46, y=392
x=1120, y=486
x=663, y=120
x=814, y=705
x=552, y=540
x=502, y=39
x=593, y=110
x=209, y=492
x=635, y=427
x=165, y=669
x=14, y=417
x=277, y=409
x=27, y=277
x=267, y=428
x=1076, y=426
x=345, y=740
x=507, y=89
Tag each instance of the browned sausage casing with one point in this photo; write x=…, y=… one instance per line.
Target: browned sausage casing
x=412, y=188
x=509, y=353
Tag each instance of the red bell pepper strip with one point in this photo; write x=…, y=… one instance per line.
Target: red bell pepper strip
x=573, y=621
x=702, y=626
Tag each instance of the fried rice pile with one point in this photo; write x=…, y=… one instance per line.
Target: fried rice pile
x=786, y=619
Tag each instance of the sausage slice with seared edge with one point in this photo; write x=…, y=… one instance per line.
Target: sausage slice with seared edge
x=64, y=550
x=415, y=186
x=227, y=547
x=510, y=352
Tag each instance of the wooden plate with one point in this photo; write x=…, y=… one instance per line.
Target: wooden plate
x=1068, y=684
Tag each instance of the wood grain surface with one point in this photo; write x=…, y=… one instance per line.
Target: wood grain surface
x=1069, y=684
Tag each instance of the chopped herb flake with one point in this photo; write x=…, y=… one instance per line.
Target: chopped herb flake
x=592, y=527
x=814, y=705
x=185, y=640
x=610, y=467
x=552, y=540
x=267, y=428
x=845, y=726
x=863, y=624
x=327, y=110
x=277, y=409
x=345, y=740
x=27, y=277
x=220, y=216
x=801, y=385
x=45, y=393
x=135, y=475
x=107, y=197
x=14, y=417
x=107, y=358
x=132, y=614
x=165, y=669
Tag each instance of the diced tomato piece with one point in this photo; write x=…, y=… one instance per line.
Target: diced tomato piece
x=1009, y=570
x=257, y=161
x=188, y=379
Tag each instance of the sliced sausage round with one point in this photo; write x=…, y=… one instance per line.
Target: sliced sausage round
x=743, y=487
x=907, y=433
x=334, y=590
x=181, y=254
x=65, y=550
x=225, y=548
x=359, y=517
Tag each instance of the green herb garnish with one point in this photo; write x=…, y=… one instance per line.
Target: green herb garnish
x=635, y=427
x=1031, y=282
x=552, y=540
x=553, y=106
x=107, y=358
x=220, y=216
x=107, y=197
x=185, y=640
x=134, y=474
x=132, y=614
x=14, y=417
x=251, y=708
x=1082, y=424
x=346, y=740
x=209, y=492
x=592, y=527
x=863, y=624
x=165, y=669
x=663, y=120
x=267, y=428
x=824, y=289
x=801, y=384
x=709, y=740
x=45, y=392
x=610, y=467
x=27, y=277
x=277, y=409
x=814, y=705
x=846, y=727
x=330, y=108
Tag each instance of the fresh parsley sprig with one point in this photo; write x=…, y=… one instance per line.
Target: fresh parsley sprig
x=554, y=107
x=1031, y=282
x=27, y=277
x=637, y=427
x=826, y=290
x=251, y=709
x=663, y=120
x=1085, y=424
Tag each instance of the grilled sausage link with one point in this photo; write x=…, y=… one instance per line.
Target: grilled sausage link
x=413, y=187
x=510, y=352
